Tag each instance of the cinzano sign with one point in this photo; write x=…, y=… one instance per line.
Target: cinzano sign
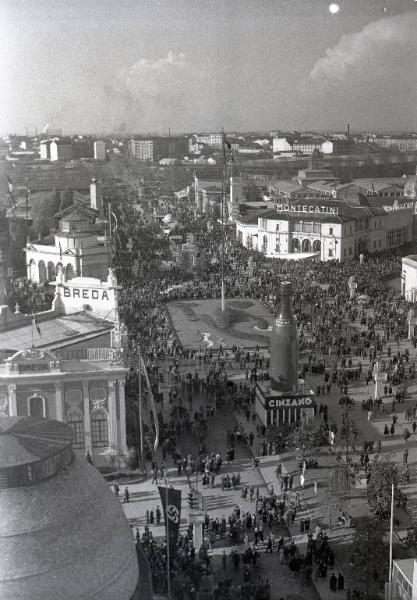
x=289, y=402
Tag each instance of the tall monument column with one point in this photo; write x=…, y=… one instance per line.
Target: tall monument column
x=284, y=345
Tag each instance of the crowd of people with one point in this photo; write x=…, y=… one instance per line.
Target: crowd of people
x=336, y=337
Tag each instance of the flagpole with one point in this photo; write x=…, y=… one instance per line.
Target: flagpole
x=167, y=534
x=140, y=412
x=223, y=302
x=391, y=528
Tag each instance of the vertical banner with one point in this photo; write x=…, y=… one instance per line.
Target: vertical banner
x=171, y=504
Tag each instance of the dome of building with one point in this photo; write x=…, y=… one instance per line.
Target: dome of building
x=63, y=533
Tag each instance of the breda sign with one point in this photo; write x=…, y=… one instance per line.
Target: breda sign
x=86, y=294
x=89, y=293
x=289, y=402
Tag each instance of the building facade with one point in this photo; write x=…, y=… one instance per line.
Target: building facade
x=60, y=150
x=99, y=150
x=86, y=394
x=409, y=278
x=329, y=231
x=404, y=580
x=142, y=149
x=79, y=245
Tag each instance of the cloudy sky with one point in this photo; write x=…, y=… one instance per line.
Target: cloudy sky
x=147, y=65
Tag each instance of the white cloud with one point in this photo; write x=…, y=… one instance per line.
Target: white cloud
x=153, y=77
x=154, y=94
x=380, y=43
x=372, y=71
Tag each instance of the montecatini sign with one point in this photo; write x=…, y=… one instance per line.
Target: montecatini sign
x=308, y=208
x=289, y=402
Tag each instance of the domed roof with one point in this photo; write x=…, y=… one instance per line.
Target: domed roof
x=63, y=537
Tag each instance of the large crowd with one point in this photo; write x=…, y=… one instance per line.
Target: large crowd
x=335, y=337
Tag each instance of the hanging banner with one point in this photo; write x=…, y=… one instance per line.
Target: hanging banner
x=171, y=504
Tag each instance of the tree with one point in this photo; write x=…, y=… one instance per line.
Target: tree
x=348, y=430
x=43, y=211
x=369, y=555
x=18, y=232
x=306, y=440
x=132, y=462
x=382, y=474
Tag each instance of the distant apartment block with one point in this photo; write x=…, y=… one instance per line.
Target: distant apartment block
x=45, y=149
x=142, y=149
x=304, y=146
x=61, y=150
x=213, y=140
x=404, y=144
x=155, y=148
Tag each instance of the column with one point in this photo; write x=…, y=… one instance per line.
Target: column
x=11, y=392
x=59, y=401
x=113, y=441
x=88, y=445
x=122, y=412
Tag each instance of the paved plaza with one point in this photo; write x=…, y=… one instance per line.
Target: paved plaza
x=198, y=324
x=218, y=502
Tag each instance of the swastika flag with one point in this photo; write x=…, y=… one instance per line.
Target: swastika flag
x=171, y=504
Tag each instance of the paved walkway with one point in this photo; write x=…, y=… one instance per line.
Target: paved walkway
x=144, y=496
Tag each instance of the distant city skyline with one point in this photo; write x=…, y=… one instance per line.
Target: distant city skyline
x=194, y=65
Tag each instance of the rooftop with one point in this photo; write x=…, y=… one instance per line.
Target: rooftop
x=26, y=440
x=55, y=332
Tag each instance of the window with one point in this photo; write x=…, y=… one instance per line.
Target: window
x=100, y=429
x=379, y=243
x=350, y=251
x=277, y=227
x=78, y=428
x=330, y=251
x=36, y=406
x=331, y=230
x=374, y=243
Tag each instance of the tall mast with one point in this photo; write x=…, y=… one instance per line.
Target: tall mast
x=222, y=224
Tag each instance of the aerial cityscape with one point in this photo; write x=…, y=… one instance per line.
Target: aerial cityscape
x=208, y=300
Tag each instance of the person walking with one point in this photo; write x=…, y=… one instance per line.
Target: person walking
x=126, y=495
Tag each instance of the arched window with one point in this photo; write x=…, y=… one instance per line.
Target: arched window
x=295, y=245
x=69, y=272
x=306, y=246
x=316, y=246
x=264, y=244
x=33, y=271
x=37, y=406
x=57, y=267
x=51, y=271
x=42, y=271
x=100, y=429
